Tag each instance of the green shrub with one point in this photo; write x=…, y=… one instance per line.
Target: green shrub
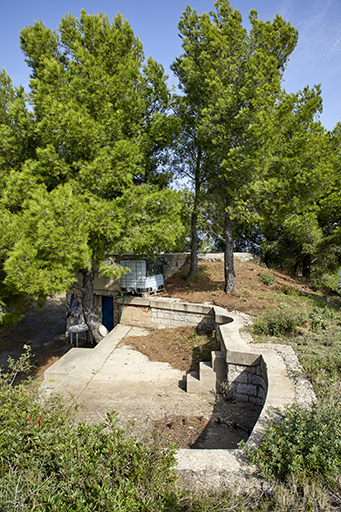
x=319, y=318
x=267, y=278
x=290, y=290
x=302, y=441
x=326, y=282
x=50, y=462
x=279, y=323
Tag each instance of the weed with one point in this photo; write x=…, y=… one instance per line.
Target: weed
x=290, y=290
x=319, y=318
x=267, y=278
x=279, y=323
x=225, y=390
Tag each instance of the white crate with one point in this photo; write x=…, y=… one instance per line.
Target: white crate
x=150, y=284
x=135, y=278
x=137, y=267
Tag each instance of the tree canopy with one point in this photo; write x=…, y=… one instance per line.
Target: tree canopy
x=85, y=188
x=86, y=157
x=230, y=80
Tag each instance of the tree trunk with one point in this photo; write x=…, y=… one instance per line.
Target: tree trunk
x=230, y=276
x=194, y=220
x=306, y=266
x=194, y=246
x=98, y=330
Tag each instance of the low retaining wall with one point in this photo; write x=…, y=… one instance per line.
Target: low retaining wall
x=162, y=313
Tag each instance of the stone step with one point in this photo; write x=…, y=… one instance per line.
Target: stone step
x=210, y=375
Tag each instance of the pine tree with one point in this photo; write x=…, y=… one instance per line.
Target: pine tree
x=96, y=109
x=230, y=81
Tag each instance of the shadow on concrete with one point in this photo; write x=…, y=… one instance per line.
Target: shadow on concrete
x=43, y=330
x=231, y=422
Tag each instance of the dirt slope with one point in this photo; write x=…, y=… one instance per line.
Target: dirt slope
x=252, y=296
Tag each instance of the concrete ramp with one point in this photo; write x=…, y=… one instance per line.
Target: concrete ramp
x=76, y=368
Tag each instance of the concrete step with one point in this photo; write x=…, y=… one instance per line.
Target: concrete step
x=192, y=382
x=219, y=367
x=60, y=369
x=210, y=375
x=206, y=380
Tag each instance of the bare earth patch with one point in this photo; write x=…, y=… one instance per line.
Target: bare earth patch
x=181, y=347
x=229, y=424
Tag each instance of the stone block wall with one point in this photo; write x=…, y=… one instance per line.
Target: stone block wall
x=247, y=383
x=163, y=313
x=165, y=318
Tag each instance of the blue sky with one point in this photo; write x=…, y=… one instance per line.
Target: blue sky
x=316, y=59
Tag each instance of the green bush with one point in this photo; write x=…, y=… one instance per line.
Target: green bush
x=279, y=323
x=302, y=441
x=290, y=290
x=319, y=318
x=267, y=278
x=50, y=462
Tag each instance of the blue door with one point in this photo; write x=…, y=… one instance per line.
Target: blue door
x=108, y=312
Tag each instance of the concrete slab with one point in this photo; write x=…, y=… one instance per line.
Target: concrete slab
x=219, y=469
x=138, y=331
x=110, y=342
x=60, y=369
x=128, y=365
x=142, y=404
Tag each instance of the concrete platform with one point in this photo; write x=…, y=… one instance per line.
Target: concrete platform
x=111, y=377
